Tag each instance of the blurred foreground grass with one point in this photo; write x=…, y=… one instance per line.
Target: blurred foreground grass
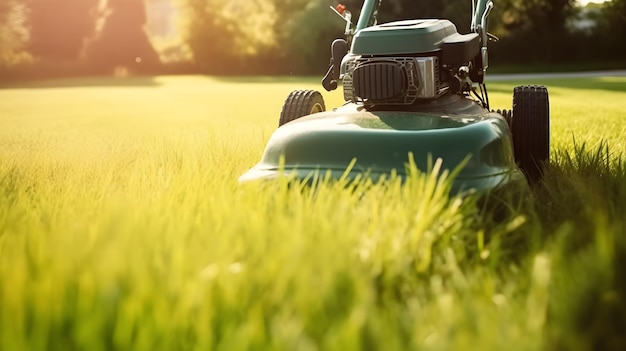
x=122, y=226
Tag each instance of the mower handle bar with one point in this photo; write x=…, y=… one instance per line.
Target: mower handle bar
x=369, y=11
x=480, y=11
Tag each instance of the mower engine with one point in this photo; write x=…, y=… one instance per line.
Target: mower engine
x=401, y=63
x=409, y=62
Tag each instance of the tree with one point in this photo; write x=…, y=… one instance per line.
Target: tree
x=122, y=41
x=229, y=36
x=293, y=36
x=208, y=33
x=59, y=28
x=305, y=32
x=611, y=30
x=534, y=30
x=13, y=33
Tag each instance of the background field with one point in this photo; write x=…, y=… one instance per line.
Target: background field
x=122, y=226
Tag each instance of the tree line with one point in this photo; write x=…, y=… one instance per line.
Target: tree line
x=41, y=38
x=73, y=37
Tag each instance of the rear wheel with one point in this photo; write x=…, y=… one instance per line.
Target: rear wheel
x=530, y=126
x=301, y=103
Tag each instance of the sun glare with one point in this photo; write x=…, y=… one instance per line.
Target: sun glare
x=586, y=2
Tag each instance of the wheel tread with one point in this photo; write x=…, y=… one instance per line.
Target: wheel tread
x=299, y=103
x=530, y=125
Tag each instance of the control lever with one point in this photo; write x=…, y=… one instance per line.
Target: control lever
x=342, y=11
x=492, y=37
x=338, y=49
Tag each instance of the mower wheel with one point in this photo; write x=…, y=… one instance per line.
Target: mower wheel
x=530, y=126
x=301, y=103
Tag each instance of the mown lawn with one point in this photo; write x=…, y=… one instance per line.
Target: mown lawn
x=122, y=226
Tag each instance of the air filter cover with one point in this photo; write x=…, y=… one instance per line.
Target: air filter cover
x=379, y=81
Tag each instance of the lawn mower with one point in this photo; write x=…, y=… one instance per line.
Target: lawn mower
x=413, y=89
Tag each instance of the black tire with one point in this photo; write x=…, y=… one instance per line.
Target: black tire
x=530, y=126
x=301, y=103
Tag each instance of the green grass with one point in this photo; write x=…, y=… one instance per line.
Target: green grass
x=122, y=227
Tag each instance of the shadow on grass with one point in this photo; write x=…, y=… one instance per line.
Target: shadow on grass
x=149, y=81
x=582, y=209
x=270, y=79
x=85, y=82
x=612, y=84
x=577, y=219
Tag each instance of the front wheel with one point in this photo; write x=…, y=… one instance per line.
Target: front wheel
x=301, y=103
x=530, y=126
